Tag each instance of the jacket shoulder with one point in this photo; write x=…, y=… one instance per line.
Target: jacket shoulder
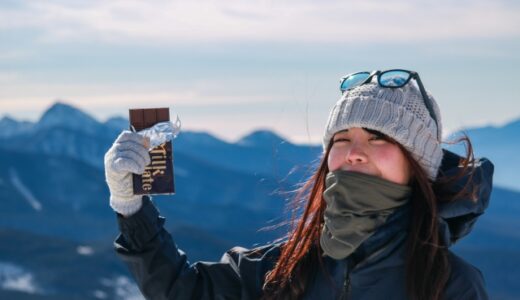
x=253, y=264
x=261, y=253
x=465, y=281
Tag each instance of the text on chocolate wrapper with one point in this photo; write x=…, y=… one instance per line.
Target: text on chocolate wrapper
x=156, y=168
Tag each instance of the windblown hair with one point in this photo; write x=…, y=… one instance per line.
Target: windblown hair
x=427, y=266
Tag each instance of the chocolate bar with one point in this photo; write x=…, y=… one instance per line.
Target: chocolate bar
x=158, y=175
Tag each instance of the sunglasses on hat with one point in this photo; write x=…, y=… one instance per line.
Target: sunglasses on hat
x=394, y=78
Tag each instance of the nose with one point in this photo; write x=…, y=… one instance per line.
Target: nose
x=356, y=155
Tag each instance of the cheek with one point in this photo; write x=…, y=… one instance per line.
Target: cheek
x=334, y=159
x=393, y=165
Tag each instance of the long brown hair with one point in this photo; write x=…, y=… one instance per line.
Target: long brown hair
x=427, y=266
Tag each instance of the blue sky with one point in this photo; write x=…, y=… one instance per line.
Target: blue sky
x=229, y=67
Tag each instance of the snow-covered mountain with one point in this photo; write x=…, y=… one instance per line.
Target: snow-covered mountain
x=61, y=115
x=11, y=127
x=117, y=123
x=262, y=139
x=63, y=131
x=500, y=145
x=67, y=131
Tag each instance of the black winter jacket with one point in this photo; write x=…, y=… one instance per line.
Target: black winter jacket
x=375, y=271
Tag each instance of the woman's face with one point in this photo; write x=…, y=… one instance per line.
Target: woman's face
x=359, y=150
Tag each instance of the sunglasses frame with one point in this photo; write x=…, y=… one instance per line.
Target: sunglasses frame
x=413, y=75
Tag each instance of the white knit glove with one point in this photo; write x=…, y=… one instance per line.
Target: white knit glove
x=128, y=154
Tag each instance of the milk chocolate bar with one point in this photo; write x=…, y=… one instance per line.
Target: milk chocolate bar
x=158, y=175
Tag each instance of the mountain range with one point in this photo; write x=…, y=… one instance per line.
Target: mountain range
x=66, y=131
x=55, y=221
x=500, y=145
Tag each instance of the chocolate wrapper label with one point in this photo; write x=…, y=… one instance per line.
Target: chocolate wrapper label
x=158, y=175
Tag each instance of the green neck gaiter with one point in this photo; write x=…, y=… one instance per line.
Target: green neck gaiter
x=357, y=204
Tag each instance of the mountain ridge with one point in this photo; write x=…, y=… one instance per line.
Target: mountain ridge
x=65, y=130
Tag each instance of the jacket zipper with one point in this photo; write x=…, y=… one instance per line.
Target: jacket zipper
x=346, y=283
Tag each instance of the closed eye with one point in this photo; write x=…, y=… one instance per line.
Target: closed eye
x=377, y=137
x=341, y=140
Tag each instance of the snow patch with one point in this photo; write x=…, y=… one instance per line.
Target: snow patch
x=85, y=250
x=24, y=191
x=100, y=294
x=124, y=288
x=12, y=277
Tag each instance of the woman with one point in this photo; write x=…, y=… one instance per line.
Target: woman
x=379, y=213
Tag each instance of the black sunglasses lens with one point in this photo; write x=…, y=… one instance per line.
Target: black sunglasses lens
x=394, y=78
x=354, y=80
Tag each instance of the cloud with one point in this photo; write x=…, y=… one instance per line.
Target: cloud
x=104, y=100
x=176, y=22
x=15, y=55
x=8, y=77
x=215, y=92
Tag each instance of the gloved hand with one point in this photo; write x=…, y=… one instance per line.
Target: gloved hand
x=128, y=154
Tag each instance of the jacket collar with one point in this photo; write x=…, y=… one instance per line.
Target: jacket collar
x=456, y=219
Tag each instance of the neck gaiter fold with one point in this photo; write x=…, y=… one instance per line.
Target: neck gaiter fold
x=356, y=205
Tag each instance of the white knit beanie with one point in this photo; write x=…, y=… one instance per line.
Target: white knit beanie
x=399, y=113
